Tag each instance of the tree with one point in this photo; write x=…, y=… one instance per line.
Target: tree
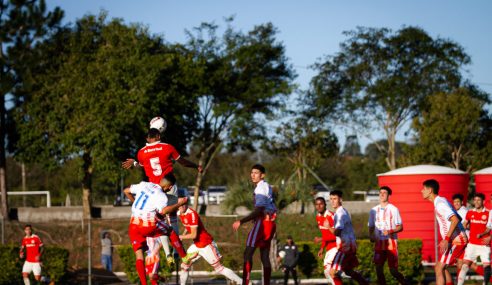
x=305, y=145
x=23, y=25
x=101, y=82
x=244, y=78
x=379, y=79
x=449, y=132
x=352, y=146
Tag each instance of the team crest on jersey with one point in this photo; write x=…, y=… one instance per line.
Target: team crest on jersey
x=484, y=217
x=32, y=241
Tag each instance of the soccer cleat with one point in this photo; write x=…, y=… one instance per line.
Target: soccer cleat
x=170, y=261
x=189, y=256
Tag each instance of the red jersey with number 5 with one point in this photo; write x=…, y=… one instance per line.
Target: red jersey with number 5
x=157, y=160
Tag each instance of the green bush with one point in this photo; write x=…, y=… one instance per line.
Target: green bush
x=127, y=258
x=409, y=258
x=55, y=261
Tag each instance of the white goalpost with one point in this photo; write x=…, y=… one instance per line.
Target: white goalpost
x=20, y=193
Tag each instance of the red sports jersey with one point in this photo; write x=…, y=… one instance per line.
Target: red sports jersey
x=325, y=221
x=478, y=224
x=191, y=219
x=157, y=160
x=32, y=245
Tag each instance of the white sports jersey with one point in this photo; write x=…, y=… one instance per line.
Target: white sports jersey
x=149, y=199
x=444, y=211
x=384, y=219
x=343, y=222
x=462, y=212
x=263, y=197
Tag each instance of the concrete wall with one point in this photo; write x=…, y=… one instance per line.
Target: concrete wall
x=54, y=214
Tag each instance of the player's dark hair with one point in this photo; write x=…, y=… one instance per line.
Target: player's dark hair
x=153, y=133
x=259, y=167
x=480, y=195
x=433, y=184
x=320, y=199
x=171, y=178
x=28, y=226
x=387, y=189
x=336, y=193
x=458, y=196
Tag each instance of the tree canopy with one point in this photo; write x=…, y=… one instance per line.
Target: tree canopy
x=379, y=79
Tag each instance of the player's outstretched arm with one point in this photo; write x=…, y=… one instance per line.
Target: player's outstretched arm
x=173, y=208
x=258, y=211
x=129, y=163
x=186, y=163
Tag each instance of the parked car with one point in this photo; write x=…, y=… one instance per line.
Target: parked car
x=201, y=196
x=216, y=194
x=372, y=196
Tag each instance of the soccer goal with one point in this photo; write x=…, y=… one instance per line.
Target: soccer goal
x=20, y=193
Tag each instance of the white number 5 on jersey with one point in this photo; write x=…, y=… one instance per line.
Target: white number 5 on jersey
x=156, y=166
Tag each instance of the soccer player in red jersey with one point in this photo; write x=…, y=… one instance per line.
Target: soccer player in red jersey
x=384, y=224
x=203, y=246
x=157, y=160
x=324, y=218
x=150, y=203
x=453, y=233
x=32, y=250
x=479, y=245
x=264, y=227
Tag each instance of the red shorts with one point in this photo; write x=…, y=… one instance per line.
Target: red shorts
x=345, y=261
x=453, y=253
x=261, y=234
x=138, y=234
x=380, y=257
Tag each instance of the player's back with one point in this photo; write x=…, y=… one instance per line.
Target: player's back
x=149, y=199
x=157, y=160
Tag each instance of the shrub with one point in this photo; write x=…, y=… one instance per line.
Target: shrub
x=55, y=261
x=127, y=258
x=409, y=258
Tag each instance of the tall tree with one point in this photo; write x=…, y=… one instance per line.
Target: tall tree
x=449, y=131
x=379, y=79
x=101, y=82
x=23, y=25
x=305, y=144
x=244, y=78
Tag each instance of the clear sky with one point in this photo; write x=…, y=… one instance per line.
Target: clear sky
x=312, y=29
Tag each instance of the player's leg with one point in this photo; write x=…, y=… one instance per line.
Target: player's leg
x=336, y=267
x=212, y=255
x=392, y=256
x=152, y=259
x=138, y=241
x=471, y=255
x=286, y=271
x=185, y=267
x=327, y=263
x=36, y=270
x=294, y=275
x=485, y=258
x=267, y=267
x=348, y=265
x=379, y=260
x=248, y=263
x=26, y=270
x=139, y=265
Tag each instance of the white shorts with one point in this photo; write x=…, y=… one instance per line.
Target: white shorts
x=35, y=267
x=210, y=253
x=473, y=251
x=329, y=257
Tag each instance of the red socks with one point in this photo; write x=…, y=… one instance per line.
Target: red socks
x=337, y=281
x=247, y=272
x=139, y=264
x=177, y=244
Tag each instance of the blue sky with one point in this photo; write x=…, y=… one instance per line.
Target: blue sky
x=312, y=29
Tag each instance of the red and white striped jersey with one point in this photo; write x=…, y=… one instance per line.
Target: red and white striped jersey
x=385, y=219
x=444, y=212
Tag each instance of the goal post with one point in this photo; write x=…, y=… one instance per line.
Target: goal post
x=20, y=193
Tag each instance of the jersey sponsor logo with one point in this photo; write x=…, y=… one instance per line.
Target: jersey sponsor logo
x=152, y=149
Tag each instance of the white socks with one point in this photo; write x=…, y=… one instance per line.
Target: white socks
x=462, y=275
